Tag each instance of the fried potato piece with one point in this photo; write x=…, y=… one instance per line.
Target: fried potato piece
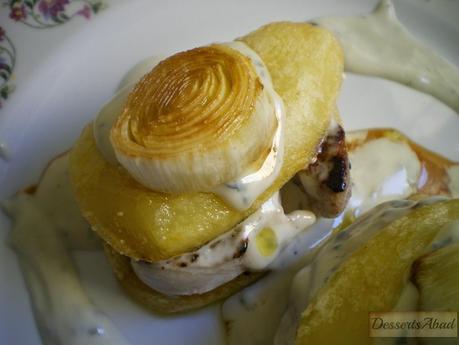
x=372, y=278
x=437, y=277
x=306, y=65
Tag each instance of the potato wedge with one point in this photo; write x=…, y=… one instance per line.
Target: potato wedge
x=372, y=278
x=437, y=277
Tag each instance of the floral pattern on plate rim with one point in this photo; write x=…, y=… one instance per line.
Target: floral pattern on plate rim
x=38, y=14
x=7, y=63
x=43, y=14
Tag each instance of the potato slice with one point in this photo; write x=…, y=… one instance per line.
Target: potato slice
x=372, y=278
x=437, y=277
x=306, y=65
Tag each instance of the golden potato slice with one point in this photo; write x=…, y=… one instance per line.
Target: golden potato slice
x=437, y=277
x=372, y=279
x=306, y=65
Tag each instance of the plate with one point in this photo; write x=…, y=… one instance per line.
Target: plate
x=66, y=67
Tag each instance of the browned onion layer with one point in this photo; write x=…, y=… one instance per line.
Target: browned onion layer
x=190, y=102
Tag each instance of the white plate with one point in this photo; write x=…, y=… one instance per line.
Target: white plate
x=63, y=75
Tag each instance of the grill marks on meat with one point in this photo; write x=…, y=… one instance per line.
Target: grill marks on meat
x=326, y=181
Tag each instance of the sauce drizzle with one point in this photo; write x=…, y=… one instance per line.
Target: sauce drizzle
x=379, y=45
x=63, y=312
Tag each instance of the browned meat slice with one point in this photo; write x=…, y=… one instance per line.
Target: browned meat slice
x=324, y=186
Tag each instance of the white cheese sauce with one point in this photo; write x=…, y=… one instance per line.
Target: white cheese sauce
x=242, y=192
x=382, y=169
x=250, y=246
x=45, y=226
x=379, y=45
x=252, y=315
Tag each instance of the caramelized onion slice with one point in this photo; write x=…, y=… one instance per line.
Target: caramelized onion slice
x=198, y=119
